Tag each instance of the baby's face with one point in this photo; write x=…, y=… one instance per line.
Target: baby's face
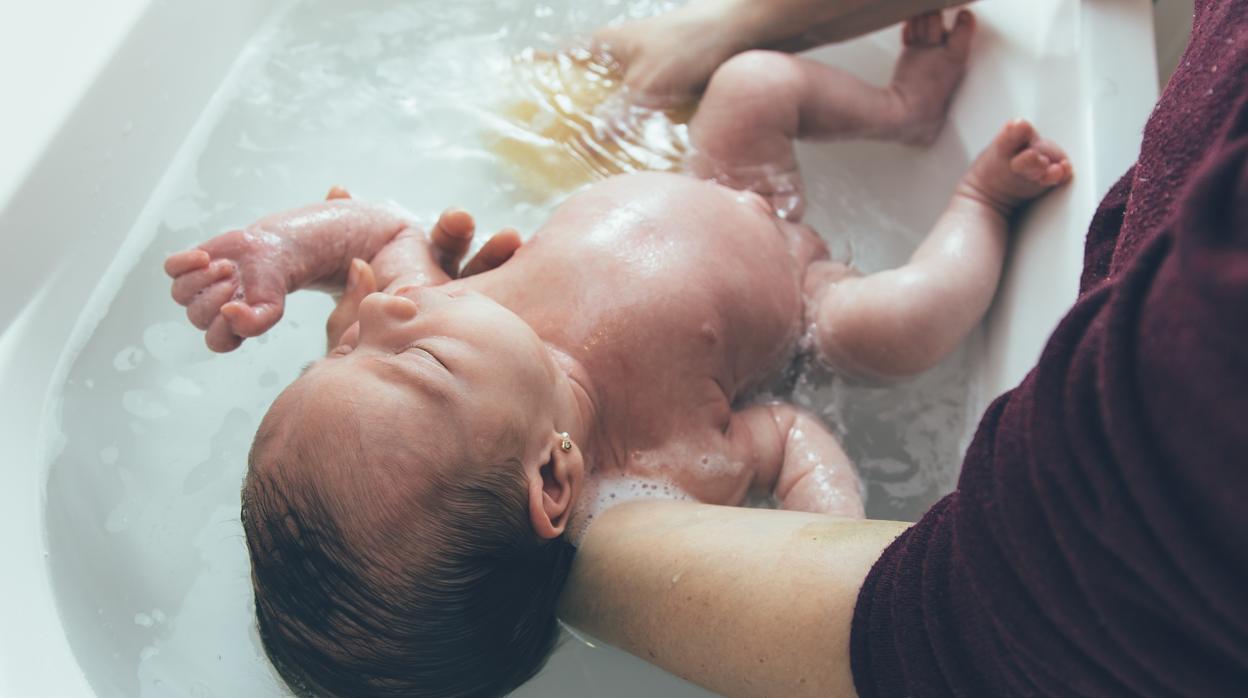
x=448, y=371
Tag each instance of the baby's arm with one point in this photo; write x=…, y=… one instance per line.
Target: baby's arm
x=759, y=102
x=797, y=459
x=902, y=321
x=235, y=285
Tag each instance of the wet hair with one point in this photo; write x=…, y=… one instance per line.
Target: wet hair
x=454, y=596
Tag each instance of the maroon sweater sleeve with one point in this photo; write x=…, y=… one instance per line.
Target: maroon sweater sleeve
x=1097, y=543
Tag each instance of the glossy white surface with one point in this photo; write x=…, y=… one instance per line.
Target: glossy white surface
x=118, y=104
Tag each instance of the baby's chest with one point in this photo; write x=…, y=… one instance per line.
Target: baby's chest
x=690, y=292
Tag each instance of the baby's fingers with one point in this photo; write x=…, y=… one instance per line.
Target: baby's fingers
x=180, y=263
x=251, y=320
x=186, y=285
x=206, y=304
x=494, y=252
x=451, y=237
x=220, y=338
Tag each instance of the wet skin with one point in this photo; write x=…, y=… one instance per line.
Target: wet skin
x=640, y=317
x=704, y=302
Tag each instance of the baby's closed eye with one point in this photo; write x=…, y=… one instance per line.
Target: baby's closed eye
x=425, y=355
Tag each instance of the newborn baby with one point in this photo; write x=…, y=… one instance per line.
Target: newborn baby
x=409, y=497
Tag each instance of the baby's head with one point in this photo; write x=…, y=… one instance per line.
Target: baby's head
x=406, y=501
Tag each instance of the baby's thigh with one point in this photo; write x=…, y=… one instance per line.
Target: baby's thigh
x=751, y=109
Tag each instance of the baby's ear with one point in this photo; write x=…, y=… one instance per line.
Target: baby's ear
x=554, y=485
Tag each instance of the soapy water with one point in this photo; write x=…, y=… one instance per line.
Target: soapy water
x=399, y=100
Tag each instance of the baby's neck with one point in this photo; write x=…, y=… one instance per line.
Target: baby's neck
x=538, y=286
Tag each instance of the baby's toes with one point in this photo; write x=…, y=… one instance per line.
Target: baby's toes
x=187, y=285
x=933, y=29
x=1058, y=173
x=1014, y=137
x=1031, y=164
x=1050, y=149
x=924, y=30
x=959, y=38
x=1060, y=170
x=206, y=304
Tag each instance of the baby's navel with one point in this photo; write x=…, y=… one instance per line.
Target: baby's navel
x=708, y=334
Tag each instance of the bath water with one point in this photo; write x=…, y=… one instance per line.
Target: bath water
x=400, y=100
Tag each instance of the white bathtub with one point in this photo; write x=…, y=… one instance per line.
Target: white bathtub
x=95, y=584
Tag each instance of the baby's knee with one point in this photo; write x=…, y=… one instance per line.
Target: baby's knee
x=757, y=76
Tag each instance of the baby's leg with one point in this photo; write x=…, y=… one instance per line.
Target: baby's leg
x=797, y=459
x=905, y=320
x=759, y=102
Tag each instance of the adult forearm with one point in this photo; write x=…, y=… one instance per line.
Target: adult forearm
x=800, y=24
x=745, y=602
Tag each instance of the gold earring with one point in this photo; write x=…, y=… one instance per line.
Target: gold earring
x=567, y=441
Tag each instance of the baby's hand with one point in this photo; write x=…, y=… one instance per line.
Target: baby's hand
x=416, y=258
x=233, y=286
x=447, y=250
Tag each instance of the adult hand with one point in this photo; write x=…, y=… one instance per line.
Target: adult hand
x=670, y=57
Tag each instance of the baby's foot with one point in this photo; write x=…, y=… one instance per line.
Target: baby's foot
x=1015, y=168
x=928, y=72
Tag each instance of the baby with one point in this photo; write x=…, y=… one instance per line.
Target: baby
x=409, y=497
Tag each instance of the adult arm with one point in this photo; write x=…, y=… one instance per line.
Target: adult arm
x=1094, y=545
x=673, y=55
x=745, y=602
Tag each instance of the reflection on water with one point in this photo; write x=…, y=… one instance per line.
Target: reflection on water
x=571, y=123
x=484, y=105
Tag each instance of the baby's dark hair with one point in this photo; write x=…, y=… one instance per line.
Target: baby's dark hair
x=465, y=607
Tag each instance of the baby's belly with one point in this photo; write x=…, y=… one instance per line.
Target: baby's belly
x=698, y=272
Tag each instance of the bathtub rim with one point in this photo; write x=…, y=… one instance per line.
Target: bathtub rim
x=37, y=659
